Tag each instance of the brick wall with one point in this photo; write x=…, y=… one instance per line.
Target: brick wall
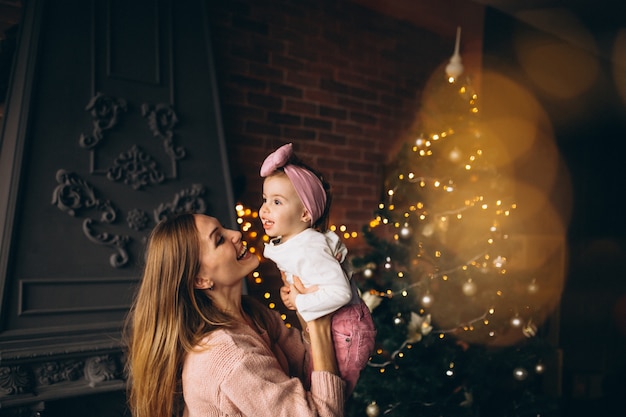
x=338, y=80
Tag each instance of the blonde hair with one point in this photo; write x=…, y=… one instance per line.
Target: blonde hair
x=167, y=319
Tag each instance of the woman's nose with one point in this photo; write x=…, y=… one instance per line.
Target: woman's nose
x=237, y=235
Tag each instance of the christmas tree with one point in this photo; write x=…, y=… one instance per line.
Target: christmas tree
x=462, y=312
x=465, y=263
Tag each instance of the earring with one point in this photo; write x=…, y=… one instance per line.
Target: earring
x=211, y=286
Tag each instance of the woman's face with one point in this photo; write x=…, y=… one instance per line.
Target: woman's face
x=224, y=259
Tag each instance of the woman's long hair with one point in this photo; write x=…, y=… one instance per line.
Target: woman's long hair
x=167, y=319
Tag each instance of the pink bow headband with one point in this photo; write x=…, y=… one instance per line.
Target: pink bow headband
x=308, y=186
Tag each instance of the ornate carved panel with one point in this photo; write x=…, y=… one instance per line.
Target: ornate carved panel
x=121, y=130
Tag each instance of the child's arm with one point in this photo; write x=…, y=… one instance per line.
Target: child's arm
x=319, y=267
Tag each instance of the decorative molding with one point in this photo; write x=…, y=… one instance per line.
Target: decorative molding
x=16, y=379
x=135, y=168
x=189, y=199
x=102, y=368
x=75, y=194
x=137, y=219
x=117, y=242
x=105, y=113
x=161, y=120
x=83, y=373
x=54, y=372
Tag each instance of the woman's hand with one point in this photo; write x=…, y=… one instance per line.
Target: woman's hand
x=289, y=292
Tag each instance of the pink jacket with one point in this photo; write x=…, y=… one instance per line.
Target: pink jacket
x=237, y=372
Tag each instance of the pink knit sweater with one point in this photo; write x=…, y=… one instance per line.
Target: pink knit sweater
x=237, y=372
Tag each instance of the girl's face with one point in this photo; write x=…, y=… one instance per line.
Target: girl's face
x=282, y=211
x=224, y=259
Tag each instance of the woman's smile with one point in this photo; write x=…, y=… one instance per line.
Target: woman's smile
x=243, y=253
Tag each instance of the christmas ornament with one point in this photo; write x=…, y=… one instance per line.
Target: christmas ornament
x=418, y=326
x=499, y=262
x=530, y=329
x=406, y=231
x=455, y=67
x=372, y=409
x=540, y=368
x=516, y=321
x=520, y=374
x=371, y=300
x=469, y=288
x=428, y=230
x=455, y=154
x=427, y=300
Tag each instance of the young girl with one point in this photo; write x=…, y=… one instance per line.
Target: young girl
x=296, y=202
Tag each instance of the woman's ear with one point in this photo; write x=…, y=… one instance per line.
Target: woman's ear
x=201, y=283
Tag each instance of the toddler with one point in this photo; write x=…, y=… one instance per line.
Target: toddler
x=296, y=202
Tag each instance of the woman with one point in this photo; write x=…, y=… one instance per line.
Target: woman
x=198, y=347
